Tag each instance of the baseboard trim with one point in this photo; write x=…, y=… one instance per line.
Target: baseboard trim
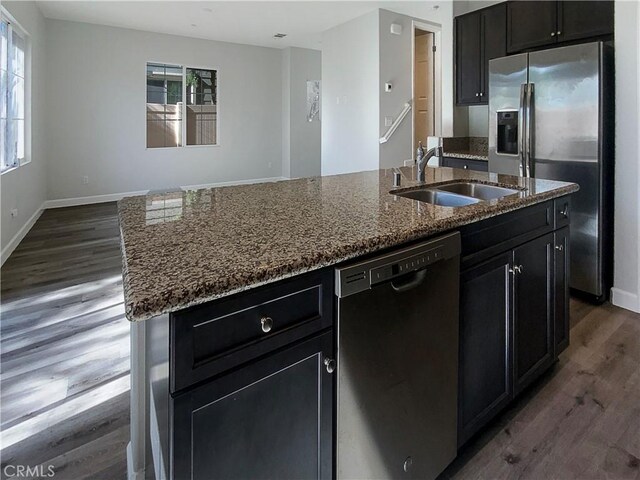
x=17, y=238
x=624, y=299
x=73, y=202
x=233, y=182
x=132, y=474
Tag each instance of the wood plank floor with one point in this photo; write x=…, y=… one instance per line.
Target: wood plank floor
x=64, y=372
x=64, y=362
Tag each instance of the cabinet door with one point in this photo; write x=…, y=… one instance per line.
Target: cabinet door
x=533, y=321
x=468, y=59
x=485, y=331
x=530, y=24
x=269, y=419
x=561, y=280
x=494, y=42
x=584, y=19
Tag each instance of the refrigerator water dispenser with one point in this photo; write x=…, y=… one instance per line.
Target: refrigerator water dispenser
x=507, y=132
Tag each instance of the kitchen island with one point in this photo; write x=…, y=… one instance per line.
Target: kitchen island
x=231, y=285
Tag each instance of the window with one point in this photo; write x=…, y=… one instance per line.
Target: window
x=12, y=96
x=175, y=92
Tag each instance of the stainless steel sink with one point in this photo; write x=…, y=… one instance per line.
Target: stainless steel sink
x=477, y=190
x=441, y=198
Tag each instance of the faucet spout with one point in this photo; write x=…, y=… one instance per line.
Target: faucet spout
x=423, y=158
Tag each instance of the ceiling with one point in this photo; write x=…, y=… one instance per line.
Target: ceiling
x=250, y=22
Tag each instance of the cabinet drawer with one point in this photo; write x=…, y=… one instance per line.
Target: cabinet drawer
x=465, y=164
x=490, y=237
x=562, y=208
x=225, y=333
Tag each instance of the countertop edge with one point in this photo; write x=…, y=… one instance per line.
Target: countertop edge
x=137, y=311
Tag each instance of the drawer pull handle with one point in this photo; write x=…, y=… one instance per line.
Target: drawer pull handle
x=516, y=270
x=267, y=324
x=330, y=363
x=559, y=247
x=565, y=211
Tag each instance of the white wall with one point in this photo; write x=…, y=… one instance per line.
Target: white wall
x=301, y=138
x=350, y=110
x=25, y=188
x=396, y=67
x=626, y=291
x=96, y=111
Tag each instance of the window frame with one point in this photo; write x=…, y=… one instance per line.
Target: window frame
x=15, y=26
x=184, y=67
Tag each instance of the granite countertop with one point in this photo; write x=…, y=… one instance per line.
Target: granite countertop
x=184, y=248
x=466, y=155
x=471, y=148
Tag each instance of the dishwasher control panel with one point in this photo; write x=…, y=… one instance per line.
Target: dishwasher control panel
x=363, y=275
x=404, y=266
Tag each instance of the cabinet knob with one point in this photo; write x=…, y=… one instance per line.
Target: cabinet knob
x=481, y=94
x=266, y=323
x=466, y=167
x=477, y=94
x=559, y=32
x=560, y=247
x=565, y=211
x=553, y=34
x=516, y=270
x=330, y=363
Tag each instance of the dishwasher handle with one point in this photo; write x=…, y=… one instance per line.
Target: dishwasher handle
x=410, y=281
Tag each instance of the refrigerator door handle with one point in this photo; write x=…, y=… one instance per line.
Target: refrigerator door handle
x=521, y=129
x=529, y=130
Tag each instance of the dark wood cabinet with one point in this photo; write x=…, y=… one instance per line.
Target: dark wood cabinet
x=465, y=164
x=535, y=24
x=468, y=59
x=271, y=419
x=583, y=19
x=480, y=36
x=533, y=309
x=561, y=282
x=530, y=24
x=493, y=22
x=514, y=308
x=485, y=383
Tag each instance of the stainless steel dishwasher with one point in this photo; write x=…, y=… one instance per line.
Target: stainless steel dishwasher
x=398, y=362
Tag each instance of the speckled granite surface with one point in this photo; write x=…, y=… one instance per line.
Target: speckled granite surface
x=185, y=248
x=473, y=148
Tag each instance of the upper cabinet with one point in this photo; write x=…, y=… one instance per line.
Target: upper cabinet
x=532, y=24
x=516, y=26
x=480, y=36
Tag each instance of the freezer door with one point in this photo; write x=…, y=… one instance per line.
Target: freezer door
x=565, y=145
x=507, y=75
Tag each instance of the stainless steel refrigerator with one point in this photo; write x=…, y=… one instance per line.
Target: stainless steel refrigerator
x=551, y=117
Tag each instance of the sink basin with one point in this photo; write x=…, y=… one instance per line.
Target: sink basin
x=477, y=190
x=441, y=198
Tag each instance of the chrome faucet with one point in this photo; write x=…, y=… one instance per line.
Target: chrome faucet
x=422, y=158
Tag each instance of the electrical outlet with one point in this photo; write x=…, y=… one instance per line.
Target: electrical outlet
x=85, y=180
x=14, y=212
x=388, y=121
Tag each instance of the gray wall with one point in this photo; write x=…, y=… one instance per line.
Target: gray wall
x=300, y=138
x=96, y=111
x=25, y=188
x=350, y=110
x=626, y=291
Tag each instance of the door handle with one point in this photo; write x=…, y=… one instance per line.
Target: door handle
x=529, y=126
x=521, y=128
x=416, y=280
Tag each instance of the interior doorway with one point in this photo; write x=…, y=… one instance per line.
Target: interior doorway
x=424, y=117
